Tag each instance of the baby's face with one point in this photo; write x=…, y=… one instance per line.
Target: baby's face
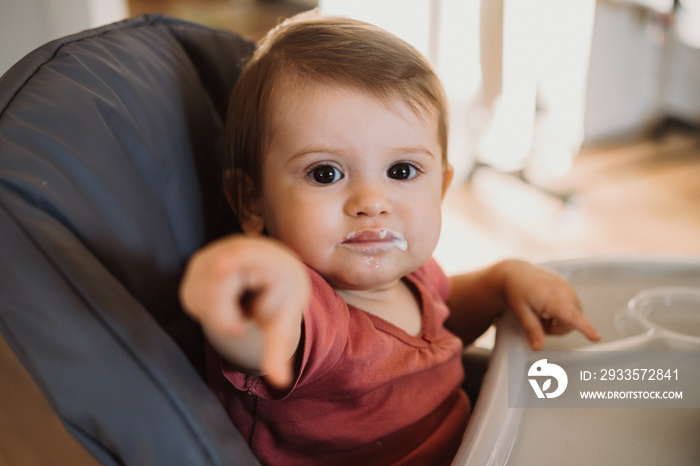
x=353, y=187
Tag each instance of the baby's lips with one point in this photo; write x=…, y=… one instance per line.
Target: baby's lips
x=373, y=235
x=378, y=235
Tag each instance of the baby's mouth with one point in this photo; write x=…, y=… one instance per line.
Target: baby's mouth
x=375, y=240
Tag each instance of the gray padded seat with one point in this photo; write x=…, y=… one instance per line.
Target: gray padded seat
x=108, y=183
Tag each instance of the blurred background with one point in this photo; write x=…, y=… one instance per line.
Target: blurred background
x=574, y=123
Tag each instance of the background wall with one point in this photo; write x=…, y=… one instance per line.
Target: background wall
x=27, y=24
x=638, y=74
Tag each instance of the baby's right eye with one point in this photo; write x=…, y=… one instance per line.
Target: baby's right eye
x=324, y=174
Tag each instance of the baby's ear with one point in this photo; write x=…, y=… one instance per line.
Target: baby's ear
x=250, y=213
x=447, y=176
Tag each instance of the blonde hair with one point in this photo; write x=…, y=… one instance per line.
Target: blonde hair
x=310, y=49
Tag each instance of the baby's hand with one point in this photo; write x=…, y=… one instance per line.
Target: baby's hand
x=249, y=295
x=544, y=302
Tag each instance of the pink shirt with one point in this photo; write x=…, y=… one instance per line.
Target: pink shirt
x=366, y=392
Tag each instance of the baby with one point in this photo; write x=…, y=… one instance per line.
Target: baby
x=334, y=337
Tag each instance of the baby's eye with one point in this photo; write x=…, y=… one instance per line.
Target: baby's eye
x=402, y=171
x=325, y=174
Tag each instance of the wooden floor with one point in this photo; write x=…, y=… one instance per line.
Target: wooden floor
x=635, y=197
x=638, y=197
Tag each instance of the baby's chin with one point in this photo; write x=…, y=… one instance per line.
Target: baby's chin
x=354, y=270
x=367, y=279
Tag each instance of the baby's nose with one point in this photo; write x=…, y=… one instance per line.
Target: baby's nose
x=368, y=200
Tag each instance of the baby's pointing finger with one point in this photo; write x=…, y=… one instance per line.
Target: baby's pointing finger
x=582, y=324
x=570, y=317
x=281, y=337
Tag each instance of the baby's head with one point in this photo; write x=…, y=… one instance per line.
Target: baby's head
x=311, y=50
x=338, y=128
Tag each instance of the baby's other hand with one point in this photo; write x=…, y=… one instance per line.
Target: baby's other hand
x=543, y=303
x=249, y=295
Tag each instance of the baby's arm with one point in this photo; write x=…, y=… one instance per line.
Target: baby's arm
x=542, y=301
x=249, y=295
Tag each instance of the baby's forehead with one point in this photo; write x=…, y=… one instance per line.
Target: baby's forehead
x=307, y=108
x=289, y=90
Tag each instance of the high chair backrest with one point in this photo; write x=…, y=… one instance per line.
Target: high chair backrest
x=109, y=180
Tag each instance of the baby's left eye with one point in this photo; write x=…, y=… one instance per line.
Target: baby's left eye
x=402, y=171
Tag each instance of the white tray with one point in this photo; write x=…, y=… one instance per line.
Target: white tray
x=499, y=435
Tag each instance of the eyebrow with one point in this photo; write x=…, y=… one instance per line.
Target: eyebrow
x=331, y=150
x=311, y=150
x=414, y=150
